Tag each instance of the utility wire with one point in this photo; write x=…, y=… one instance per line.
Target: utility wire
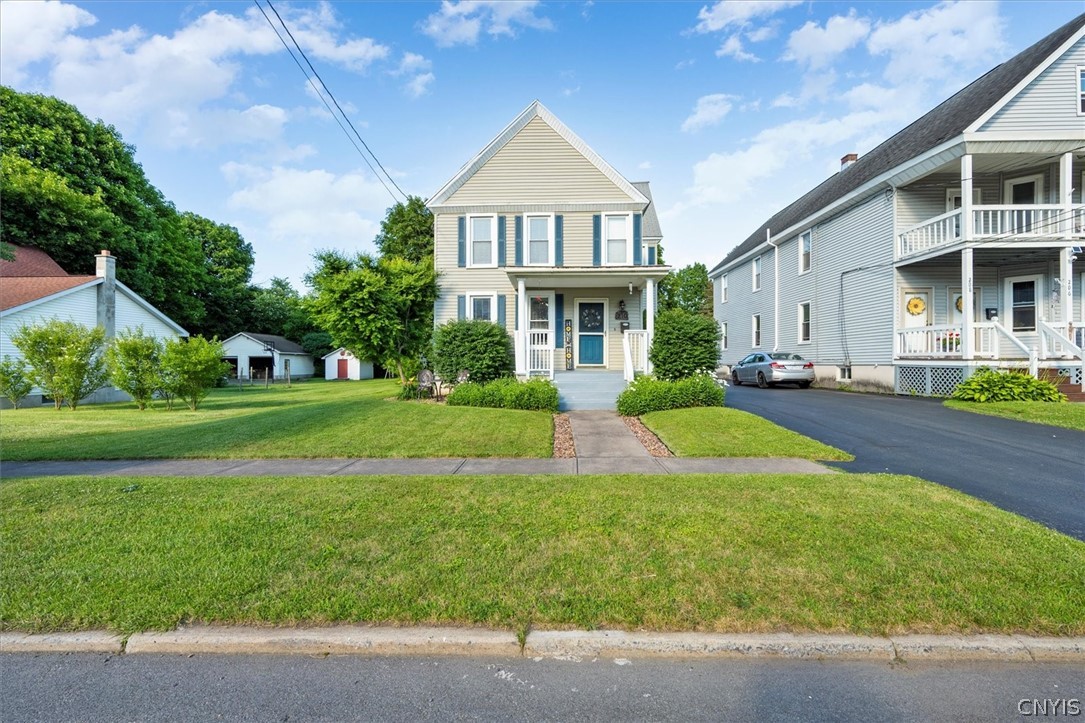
x=332, y=96
x=325, y=102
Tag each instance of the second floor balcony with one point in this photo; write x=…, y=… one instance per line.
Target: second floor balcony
x=994, y=224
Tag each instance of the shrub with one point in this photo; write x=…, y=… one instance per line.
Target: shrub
x=191, y=369
x=134, y=361
x=65, y=359
x=507, y=393
x=684, y=344
x=481, y=347
x=648, y=394
x=14, y=382
x=988, y=385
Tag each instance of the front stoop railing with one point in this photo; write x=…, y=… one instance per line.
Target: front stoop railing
x=635, y=353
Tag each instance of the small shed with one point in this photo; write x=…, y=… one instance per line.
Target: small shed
x=341, y=364
x=254, y=355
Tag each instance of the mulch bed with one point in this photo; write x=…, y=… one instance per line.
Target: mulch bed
x=563, y=437
x=647, y=437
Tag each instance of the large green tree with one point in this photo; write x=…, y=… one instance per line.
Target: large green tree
x=227, y=261
x=380, y=309
x=407, y=231
x=687, y=289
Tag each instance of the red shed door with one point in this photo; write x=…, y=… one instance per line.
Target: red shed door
x=342, y=368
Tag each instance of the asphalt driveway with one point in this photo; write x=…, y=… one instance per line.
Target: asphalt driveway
x=1034, y=470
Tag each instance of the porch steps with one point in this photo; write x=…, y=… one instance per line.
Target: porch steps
x=1072, y=391
x=588, y=389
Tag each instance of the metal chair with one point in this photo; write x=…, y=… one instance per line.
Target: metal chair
x=425, y=383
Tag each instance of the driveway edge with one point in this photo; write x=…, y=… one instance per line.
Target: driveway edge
x=554, y=644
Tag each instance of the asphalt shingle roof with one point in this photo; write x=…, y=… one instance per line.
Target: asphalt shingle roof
x=945, y=122
x=281, y=343
x=649, y=219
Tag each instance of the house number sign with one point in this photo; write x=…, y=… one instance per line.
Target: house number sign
x=568, y=344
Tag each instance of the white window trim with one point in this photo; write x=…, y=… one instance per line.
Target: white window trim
x=628, y=242
x=843, y=374
x=810, y=235
x=723, y=336
x=491, y=295
x=951, y=303
x=550, y=249
x=798, y=331
x=1079, y=94
x=755, y=273
x=755, y=331
x=471, y=245
x=952, y=193
x=723, y=289
x=1006, y=317
x=549, y=308
x=1007, y=188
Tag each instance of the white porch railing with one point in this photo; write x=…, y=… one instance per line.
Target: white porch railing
x=540, y=353
x=1055, y=341
x=1025, y=222
x=944, y=342
x=635, y=353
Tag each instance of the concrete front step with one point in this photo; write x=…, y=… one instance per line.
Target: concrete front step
x=582, y=389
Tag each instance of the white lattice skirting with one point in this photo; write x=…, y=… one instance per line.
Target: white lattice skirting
x=928, y=381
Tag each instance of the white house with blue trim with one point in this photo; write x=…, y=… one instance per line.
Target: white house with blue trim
x=538, y=233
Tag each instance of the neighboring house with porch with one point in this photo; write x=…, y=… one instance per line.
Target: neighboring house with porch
x=260, y=356
x=35, y=289
x=541, y=235
x=864, y=274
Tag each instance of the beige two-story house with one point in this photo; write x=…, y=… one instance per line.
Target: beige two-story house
x=541, y=235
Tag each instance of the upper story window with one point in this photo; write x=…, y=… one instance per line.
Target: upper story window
x=540, y=240
x=805, y=242
x=723, y=289
x=1081, y=90
x=757, y=274
x=482, y=240
x=618, y=239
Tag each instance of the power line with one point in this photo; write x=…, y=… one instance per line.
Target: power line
x=330, y=95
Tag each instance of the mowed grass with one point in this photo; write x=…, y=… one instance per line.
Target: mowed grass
x=725, y=432
x=311, y=419
x=872, y=554
x=1071, y=415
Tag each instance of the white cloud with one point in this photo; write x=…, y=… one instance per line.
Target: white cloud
x=733, y=47
x=683, y=64
x=709, y=111
x=460, y=22
x=412, y=63
x=29, y=32
x=727, y=13
x=816, y=46
x=419, y=85
x=645, y=165
x=570, y=91
x=939, y=41
x=760, y=35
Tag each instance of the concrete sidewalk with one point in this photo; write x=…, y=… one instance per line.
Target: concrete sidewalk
x=454, y=466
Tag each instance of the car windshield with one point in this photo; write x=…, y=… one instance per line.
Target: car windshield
x=784, y=355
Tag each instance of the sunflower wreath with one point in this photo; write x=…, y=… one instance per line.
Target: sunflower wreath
x=916, y=306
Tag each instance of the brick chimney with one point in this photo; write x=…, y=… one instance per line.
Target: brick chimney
x=848, y=160
x=106, y=268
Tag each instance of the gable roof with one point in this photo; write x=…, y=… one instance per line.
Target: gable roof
x=281, y=344
x=948, y=120
x=650, y=221
x=22, y=290
x=535, y=110
x=30, y=261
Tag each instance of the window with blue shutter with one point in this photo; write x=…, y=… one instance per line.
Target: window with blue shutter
x=651, y=255
x=596, y=240
x=501, y=309
x=559, y=321
x=518, y=231
x=559, y=240
x=500, y=240
x=638, y=258
x=461, y=245
x=461, y=307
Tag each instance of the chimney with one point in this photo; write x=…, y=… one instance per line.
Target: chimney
x=848, y=160
x=106, y=268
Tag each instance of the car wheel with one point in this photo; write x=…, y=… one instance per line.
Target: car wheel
x=761, y=381
x=734, y=379
x=804, y=385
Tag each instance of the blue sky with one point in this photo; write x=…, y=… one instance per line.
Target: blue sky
x=730, y=109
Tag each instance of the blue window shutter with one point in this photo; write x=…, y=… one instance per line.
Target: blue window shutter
x=501, y=309
x=559, y=240
x=461, y=307
x=500, y=240
x=638, y=253
x=516, y=311
x=519, y=240
x=559, y=321
x=461, y=226
x=596, y=240
x=651, y=255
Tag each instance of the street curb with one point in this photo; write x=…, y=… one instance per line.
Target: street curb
x=554, y=644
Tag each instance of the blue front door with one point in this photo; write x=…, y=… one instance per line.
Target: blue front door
x=590, y=331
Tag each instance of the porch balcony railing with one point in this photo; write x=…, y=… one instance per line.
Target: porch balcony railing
x=635, y=353
x=1024, y=222
x=944, y=342
x=540, y=353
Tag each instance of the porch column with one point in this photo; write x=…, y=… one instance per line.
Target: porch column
x=521, y=332
x=967, y=311
x=1066, y=193
x=966, y=198
x=1066, y=279
x=1066, y=266
x=649, y=315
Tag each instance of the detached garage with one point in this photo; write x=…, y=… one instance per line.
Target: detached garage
x=254, y=355
x=341, y=364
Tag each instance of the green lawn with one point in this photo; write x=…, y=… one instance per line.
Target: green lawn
x=312, y=419
x=872, y=554
x=725, y=432
x=1071, y=416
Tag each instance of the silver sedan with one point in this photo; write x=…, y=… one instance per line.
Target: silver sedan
x=767, y=369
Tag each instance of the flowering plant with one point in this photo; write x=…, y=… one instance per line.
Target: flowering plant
x=950, y=342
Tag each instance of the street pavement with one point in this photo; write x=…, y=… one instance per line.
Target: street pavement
x=1034, y=470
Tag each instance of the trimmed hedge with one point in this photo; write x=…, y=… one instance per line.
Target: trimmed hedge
x=481, y=347
x=648, y=394
x=507, y=393
x=988, y=385
x=684, y=344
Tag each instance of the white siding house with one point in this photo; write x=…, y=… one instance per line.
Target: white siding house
x=342, y=364
x=253, y=356
x=864, y=273
x=539, y=234
x=34, y=289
